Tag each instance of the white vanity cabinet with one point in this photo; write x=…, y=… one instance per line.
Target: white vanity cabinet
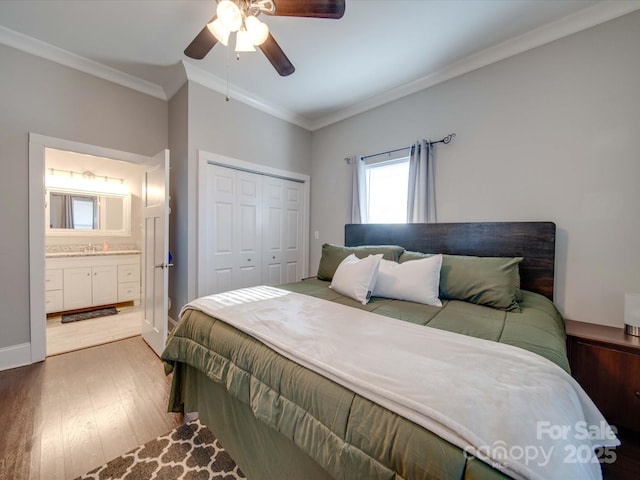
x=129, y=282
x=53, y=301
x=79, y=289
x=74, y=282
x=104, y=284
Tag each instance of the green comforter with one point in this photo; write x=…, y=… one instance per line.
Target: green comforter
x=538, y=327
x=349, y=436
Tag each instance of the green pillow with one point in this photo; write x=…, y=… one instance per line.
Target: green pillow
x=332, y=255
x=490, y=281
x=409, y=255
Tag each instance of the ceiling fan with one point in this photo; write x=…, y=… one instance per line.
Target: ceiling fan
x=240, y=16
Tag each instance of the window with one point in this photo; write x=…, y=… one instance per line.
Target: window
x=387, y=184
x=84, y=209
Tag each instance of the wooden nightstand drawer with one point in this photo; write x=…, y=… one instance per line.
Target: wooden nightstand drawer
x=612, y=380
x=606, y=362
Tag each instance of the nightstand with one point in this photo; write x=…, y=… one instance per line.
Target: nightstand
x=606, y=362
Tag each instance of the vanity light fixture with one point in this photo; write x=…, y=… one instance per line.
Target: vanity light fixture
x=85, y=181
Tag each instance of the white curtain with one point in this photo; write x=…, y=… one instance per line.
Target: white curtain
x=358, y=190
x=421, y=198
x=60, y=210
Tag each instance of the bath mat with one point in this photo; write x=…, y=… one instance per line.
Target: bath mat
x=98, y=312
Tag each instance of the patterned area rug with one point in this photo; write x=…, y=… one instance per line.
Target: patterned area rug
x=189, y=452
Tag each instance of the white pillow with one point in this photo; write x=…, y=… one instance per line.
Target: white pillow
x=416, y=281
x=356, y=277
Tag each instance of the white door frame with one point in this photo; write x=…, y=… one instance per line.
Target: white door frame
x=205, y=158
x=37, y=145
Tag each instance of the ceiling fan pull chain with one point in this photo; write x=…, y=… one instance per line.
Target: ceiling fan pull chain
x=227, y=95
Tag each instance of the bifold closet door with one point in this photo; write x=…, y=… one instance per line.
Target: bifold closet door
x=233, y=257
x=282, y=231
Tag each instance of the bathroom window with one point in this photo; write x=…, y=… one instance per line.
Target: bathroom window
x=84, y=213
x=73, y=211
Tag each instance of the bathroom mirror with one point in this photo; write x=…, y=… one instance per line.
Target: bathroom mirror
x=85, y=213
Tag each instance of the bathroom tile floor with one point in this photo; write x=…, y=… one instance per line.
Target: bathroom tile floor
x=67, y=337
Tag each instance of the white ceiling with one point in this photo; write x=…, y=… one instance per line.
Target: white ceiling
x=379, y=51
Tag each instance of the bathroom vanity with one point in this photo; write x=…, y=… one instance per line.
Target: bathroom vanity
x=77, y=280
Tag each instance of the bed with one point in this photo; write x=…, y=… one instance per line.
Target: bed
x=282, y=413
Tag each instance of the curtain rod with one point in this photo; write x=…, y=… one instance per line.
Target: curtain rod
x=444, y=140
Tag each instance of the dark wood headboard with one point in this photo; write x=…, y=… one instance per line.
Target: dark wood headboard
x=534, y=241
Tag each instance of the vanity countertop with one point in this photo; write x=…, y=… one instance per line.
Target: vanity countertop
x=92, y=253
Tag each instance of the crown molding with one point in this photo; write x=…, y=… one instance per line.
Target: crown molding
x=563, y=27
x=587, y=18
x=47, y=51
x=175, y=79
x=213, y=82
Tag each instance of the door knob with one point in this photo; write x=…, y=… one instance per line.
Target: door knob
x=163, y=265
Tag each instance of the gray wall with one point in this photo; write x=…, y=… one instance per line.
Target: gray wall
x=550, y=134
x=232, y=129
x=547, y=135
x=49, y=99
x=178, y=145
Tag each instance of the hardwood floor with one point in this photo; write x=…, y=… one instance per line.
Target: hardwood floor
x=627, y=463
x=75, y=411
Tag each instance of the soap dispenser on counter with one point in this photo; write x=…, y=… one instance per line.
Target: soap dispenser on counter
x=105, y=246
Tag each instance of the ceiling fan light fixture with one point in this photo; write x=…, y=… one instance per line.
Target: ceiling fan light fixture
x=219, y=31
x=258, y=31
x=230, y=15
x=243, y=42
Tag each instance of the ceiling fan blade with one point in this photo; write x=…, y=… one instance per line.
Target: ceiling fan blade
x=310, y=8
x=277, y=57
x=200, y=46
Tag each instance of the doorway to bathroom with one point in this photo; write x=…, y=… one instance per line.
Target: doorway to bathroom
x=106, y=257
x=92, y=241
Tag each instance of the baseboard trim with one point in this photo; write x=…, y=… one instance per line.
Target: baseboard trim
x=15, y=356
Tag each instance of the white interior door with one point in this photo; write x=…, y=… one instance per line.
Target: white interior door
x=217, y=274
x=293, y=233
x=283, y=206
x=155, y=264
x=248, y=230
x=232, y=258
x=273, y=194
x=252, y=225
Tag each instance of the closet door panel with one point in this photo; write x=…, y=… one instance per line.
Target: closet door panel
x=218, y=257
x=273, y=274
x=248, y=232
x=252, y=233
x=273, y=207
x=294, y=206
x=222, y=280
x=282, y=232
